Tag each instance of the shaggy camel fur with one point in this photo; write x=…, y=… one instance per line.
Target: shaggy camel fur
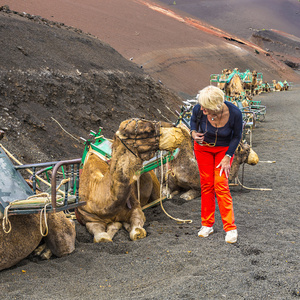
x=25, y=236
x=234, y=86
x=184, y=175
x=109, y=189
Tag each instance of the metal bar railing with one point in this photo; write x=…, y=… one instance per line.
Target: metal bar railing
x=74, y=179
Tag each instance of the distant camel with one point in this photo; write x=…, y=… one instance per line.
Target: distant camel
x=225, y=73
x=251, y=85
x=266, y=87
x=285, y=85
x=234, y=86
x=278, y=87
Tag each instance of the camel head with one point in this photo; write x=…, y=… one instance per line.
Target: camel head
x=144, y=137
x=243, y=154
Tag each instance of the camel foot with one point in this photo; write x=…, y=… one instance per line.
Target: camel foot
x=190, y=195
x=102, y=237
x=43, y=252
x=137, y=233
x=46, y=254
x=39, y=250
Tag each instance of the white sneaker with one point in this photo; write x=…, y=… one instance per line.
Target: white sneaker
x=231, y=236
x=205, y=231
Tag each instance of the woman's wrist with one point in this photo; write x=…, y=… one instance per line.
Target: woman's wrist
x=228, y=155
x=191, y=132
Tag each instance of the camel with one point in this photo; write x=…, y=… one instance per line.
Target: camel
x=109, y=188
x=234, y=86
x=277, y=86
x=25, y=237
x=266, y=87
x=251, y=85
x=285, y=85
x=225, y=73
x=183, y=170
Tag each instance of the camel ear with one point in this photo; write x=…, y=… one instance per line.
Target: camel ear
x=252, y=158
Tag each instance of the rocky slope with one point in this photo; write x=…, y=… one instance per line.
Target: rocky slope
x=55, y=79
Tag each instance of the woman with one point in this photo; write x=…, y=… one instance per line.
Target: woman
x=216, y=127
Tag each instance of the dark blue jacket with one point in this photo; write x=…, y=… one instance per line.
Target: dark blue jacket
x=228, y=135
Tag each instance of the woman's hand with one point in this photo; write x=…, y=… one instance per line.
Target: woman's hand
x=225, y=166
x=198, y=137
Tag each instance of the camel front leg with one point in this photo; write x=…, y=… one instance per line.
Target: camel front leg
x=190, y=195
x=135, y=228
x=113, y=228
x=98, y=230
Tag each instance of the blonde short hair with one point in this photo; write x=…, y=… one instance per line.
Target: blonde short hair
x=211, y=97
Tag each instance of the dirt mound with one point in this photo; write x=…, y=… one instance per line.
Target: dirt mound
x=285, y=46
x=52, y=75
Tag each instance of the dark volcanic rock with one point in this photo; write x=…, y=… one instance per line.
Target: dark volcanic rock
x=54, y=77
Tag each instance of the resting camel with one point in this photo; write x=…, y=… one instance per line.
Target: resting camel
x=25, y=237
x=266, y=87
x=234, y=86
x=277, y=86
x=109, y=189
x=184, y=173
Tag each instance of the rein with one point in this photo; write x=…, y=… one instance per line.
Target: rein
x=126, y=146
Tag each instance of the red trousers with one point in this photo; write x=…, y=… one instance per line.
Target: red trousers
x=212, y=184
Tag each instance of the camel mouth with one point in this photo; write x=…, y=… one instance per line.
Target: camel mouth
x=170, y=138
x=253, y=158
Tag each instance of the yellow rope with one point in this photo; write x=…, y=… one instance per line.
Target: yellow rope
x=162, y=177
x=6, y=221
x=65, y=130
x=44, y=212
